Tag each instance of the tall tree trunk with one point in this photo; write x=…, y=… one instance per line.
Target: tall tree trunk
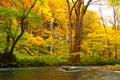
x=17, y=39
x=105, y=31
x=115, y=12
x=80, y=10
x=78, y=38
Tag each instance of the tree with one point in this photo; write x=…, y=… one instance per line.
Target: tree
x=105, y=29
x=80, y=9
x=115, y=20
x=18, y=14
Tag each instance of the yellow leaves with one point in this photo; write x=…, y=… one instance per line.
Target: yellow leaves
x=46, y=32
x=85, y=44
x=35, y=40
x=51, y=39
x=109, y=37
x=61, y=14
x=59, y=10
x=46, y=13
x=52, y=19
x=60, y=32
x=100, y=34
x=106, y=46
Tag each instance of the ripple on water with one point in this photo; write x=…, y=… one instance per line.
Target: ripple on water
x=53, y=73
x=14, y=69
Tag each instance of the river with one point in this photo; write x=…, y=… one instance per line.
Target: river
x=52, y=73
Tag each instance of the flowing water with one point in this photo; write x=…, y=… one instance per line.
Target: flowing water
x=54, y=73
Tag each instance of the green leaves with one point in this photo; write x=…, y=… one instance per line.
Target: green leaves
x=7, y=12
x=10, y=12
x=34, y=18
x=19, y=13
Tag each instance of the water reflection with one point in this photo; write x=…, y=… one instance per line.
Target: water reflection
x=49, y=73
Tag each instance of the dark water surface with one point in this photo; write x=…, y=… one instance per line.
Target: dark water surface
x=50, y=73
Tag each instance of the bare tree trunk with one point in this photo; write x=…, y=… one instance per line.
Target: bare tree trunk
x=115, y=20
x=80, y=10
x=17, y=39
x=78, y=39
x=105, y=30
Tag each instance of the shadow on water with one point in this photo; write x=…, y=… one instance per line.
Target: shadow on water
x=50, y=73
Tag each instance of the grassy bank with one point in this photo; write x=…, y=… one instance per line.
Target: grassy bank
x=42, y=60
x=60, y=59
x=113, y=67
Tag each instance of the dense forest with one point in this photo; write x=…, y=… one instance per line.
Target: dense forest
x=59, y=32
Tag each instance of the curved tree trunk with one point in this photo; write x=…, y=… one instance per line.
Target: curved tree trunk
x=7, y=58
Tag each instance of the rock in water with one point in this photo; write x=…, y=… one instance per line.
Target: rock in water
x=67, y=68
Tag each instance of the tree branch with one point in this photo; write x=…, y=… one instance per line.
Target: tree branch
x=85, y=8
x=30, y=9
x=73, y=7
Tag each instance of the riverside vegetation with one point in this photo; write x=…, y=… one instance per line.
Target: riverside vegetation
x=39, y=33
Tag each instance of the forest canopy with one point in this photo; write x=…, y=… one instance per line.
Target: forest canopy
x=58, y=32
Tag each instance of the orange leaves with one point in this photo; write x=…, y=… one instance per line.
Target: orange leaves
x=52, y=9
x=27, y=3
x=6, y=3
x=15, y=3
